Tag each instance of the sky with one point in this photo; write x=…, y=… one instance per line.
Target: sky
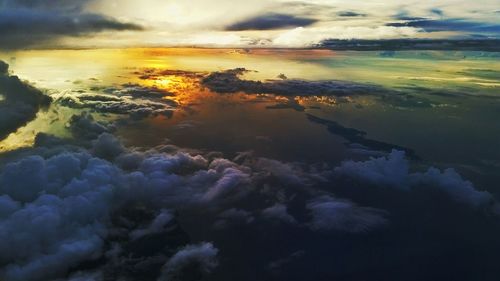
x=227, y=23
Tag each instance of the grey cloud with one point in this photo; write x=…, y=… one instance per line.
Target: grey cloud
x=68, y=200
x=237, y=214
x=331, y=214
x=84, y=127
x=278, y=212
x=230, y=81
x=61, y=5
x=271, y=21
x=201, y=257
x=393, y=172
x=34, y=23
x=470, y=44
x=350, y=14
x=460, y=25
x=106, y=146
x=156, y=226
x=61, y=210
x=20, y=102
x=437, y=11
x=70, y=207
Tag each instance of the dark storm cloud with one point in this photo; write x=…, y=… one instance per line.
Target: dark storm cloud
x=460, y=25
x=62, y=5
x=478, y=42
x=27, y=23
x=271, y=21
x=20, y=102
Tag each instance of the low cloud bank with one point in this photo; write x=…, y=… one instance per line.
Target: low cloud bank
x=230, y=81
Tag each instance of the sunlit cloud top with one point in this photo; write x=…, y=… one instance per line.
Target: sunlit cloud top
x=229, y=23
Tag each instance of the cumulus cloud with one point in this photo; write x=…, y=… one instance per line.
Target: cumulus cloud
x=32, y=23
x=68, y=207
x=20, y=102
x=191, y=260
x=393, y=171
x=278, y=212
x=156, y=226
x=389, y=171
x=331, y=214
x=63, y=208
x=59, y=209
x=83, y=126
x=271, y=21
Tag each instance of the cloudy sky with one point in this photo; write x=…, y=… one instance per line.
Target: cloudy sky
x=279, y=23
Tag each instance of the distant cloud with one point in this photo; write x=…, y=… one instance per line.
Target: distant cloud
x=437, y=11
x=271, y=21
x=350, y=14
x=230, y=81
x=458, y=25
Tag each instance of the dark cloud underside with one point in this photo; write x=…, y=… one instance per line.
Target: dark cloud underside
x=29, y=23
x=431, y=25
x=271, y=21
x=22, y=28
x=350, y=14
